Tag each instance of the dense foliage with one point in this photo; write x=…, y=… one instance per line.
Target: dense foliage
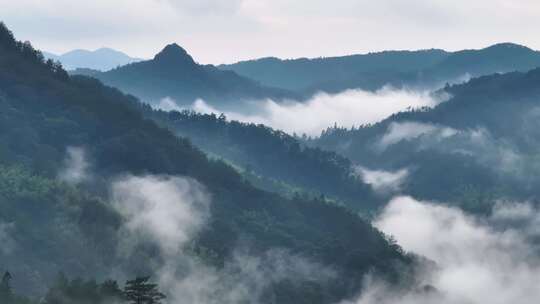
x=261, y=150
x=80, y=291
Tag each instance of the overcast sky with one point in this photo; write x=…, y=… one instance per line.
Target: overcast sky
x=217, y=31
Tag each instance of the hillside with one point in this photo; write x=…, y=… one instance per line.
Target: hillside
x=59, y=226
x=273, y=154
x=173, y=73
x=484, y=139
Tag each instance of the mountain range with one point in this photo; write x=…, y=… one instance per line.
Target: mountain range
x=102, y=59
x=97, y=185
x=424, y=68
x=67, y=221
x=173, y=73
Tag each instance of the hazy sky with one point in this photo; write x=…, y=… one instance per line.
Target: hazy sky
x=217, y=31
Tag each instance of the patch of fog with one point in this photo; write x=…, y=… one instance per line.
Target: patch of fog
x=347, y=109
x=496, y=153
x=169, y=212
x=493, y=260
x=167, y=104
x=383, y=182
x=76, y=166
x=7, y=243
x=400, y=131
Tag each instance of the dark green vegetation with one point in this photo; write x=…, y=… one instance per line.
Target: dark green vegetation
x=79, y=291
x=260, y=150
x=53, y=226
x=479, y=146
x=141, y=291
x=374, y=70
x=173, y=73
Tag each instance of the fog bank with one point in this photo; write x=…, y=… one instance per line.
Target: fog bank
x=347, y=109
x=491, y=260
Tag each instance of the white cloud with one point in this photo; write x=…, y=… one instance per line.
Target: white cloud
x=76, y=166
x=167, y=104
x=384, y=182
x=169, y=212
x=398, y=131
x=350, y=108
x=478, y=260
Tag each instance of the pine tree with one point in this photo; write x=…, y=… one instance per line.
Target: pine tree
x=140, y=291
x=5, y=288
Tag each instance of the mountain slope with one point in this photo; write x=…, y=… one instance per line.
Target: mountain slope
x=482, y=143
x=102, y=59
x=272, y=154
x=60, y=227
x=173, y=73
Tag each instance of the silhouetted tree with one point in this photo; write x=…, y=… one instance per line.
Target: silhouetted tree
x=5, y=288
x=140, y=291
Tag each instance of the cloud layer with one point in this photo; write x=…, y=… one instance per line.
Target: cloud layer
x=383, y=182
x=493, y=260
x=347, y=109
x=169, y=212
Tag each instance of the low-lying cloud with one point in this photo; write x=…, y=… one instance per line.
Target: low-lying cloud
x=347, y=109
x=169, y=212
x=76, y=166
x=383, y=182
x=489, y=260
x=498, y=154
x=168, y=104
x=398, y=131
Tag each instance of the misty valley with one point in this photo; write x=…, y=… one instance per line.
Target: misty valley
x=396, y=176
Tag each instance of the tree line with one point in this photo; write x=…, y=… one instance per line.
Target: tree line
x=78, y=291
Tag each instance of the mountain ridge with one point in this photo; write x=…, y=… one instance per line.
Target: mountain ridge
x=371, y=71
x=101, y=59
x=173, y=73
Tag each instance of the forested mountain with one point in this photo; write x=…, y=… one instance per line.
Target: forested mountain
x=425, y=68
x=53, y=225
x=306, y=74
x=102, y=59
x=273, y=154
x=480, y=144
x=173, y=73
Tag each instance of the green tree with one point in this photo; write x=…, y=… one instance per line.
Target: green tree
x=141, y=291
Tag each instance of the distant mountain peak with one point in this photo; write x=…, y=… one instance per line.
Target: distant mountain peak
x=173, y=53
